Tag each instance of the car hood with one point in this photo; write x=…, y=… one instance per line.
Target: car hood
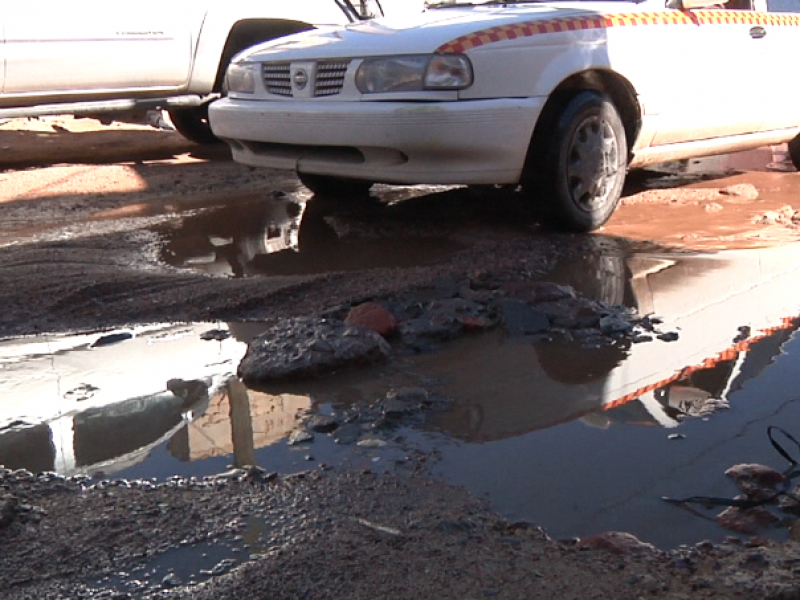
x=419, y=33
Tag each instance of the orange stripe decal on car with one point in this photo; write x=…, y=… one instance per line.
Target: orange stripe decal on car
x=502, y=33
x=728, y=354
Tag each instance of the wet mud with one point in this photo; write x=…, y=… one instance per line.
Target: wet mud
x=131, y=290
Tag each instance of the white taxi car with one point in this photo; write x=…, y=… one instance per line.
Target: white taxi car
x=560, y=97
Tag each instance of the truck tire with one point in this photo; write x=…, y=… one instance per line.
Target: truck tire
x=193, y=124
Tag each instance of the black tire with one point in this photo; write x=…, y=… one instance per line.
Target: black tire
x=327, y=185
x=794, y=152
x=193, y=124
x=579, y=174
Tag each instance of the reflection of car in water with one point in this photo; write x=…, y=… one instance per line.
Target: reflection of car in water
x=597, y=267
x=732, y=311
x=224, y=241
x=276, y=236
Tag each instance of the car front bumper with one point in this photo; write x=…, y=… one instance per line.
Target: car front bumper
x=456, y=142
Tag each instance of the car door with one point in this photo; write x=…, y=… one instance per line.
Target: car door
x=781, y=37
x=59, y=48
x=717, y=85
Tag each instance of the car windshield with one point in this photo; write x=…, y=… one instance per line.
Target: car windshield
x=452, y=3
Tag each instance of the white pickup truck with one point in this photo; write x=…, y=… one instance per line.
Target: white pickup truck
x=115, y=60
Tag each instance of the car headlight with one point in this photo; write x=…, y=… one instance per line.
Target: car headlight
x=240, y=79
x=414, y=73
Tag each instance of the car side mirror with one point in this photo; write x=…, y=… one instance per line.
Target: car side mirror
x=690, y=4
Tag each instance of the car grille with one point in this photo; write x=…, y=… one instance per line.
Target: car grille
x=329, y=79
x=276, y=78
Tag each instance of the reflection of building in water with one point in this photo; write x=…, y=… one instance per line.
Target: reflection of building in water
x=109, y=439
x=102, y=401
x=239, y=421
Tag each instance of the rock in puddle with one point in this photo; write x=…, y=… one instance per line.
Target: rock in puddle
x=347, y=434
x=372, y=443
x=404, y=401
x=373, y=316
x=522, y=319
x=394, y=409
x=757, y=481
x=615, y=324
x=749, y=521
x=307, y=347
x=302, y=348
x=298, y=436
x=322, y=423
x=171, y=580
x=441, y=320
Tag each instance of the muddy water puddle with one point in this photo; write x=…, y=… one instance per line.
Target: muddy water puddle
x=186, y=564
x=577, y=439
x=280, y=236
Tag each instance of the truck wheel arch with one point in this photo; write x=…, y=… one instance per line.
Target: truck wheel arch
x=193, y=122
x=219, y=42
x=249, y=32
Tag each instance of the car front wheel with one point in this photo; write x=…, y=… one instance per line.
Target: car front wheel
x=327, y=185
x=582, y=168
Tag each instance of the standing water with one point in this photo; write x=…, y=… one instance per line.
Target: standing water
x=577, y=439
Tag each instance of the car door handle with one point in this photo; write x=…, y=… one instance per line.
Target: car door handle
x=757, y=32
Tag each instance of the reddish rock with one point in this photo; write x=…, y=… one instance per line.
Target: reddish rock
x=617, y=541
x=757, y=542
x=757, y=481
x=748, y=521
x=474, y=323
x=372, y=315
x=789, y=504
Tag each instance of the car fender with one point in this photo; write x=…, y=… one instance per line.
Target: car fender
x=535, y=67
x=576, y=60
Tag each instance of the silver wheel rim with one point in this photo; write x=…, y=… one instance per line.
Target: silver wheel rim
x=593, y=163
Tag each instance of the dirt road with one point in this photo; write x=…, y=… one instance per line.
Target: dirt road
x=87, y=221
x=80, y=206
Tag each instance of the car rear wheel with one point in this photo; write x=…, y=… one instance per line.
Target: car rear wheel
x=794, y=152
x=327, y=185
x=578, y=180
x=193, y=124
